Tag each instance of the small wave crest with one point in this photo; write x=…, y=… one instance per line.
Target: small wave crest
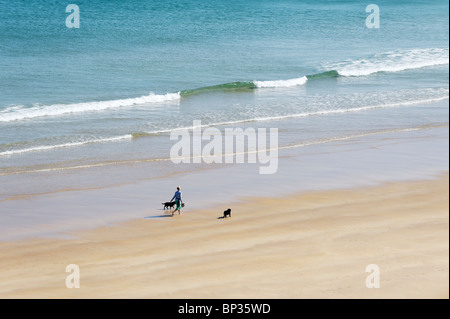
x=15, y=113
x=394, y=61
x=246, y=85
x=281, y=83
x=64, y=145
x=232, y=86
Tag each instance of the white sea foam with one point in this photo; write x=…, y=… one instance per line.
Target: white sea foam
x=16, y=113
x=394, y=61
x=281, y=83
x=64, y=145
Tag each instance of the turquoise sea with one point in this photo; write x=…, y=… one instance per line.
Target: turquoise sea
x=75, y=103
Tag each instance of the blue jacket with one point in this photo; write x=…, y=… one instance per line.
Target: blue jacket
x=177, y=196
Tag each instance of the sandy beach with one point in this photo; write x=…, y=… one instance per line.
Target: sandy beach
x=312, y=245
x=322, y=125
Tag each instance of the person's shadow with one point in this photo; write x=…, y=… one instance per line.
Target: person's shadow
x=158, y=216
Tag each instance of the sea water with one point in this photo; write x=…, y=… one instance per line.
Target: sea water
x=94, y=106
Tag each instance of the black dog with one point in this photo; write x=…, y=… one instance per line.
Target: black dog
x=227, y=213
x=168, y=205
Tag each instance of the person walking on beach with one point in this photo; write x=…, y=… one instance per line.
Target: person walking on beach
x=178, y=201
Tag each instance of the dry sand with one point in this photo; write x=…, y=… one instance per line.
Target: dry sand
x=314, y=245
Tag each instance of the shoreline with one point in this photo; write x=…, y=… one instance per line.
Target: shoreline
x=312, y=245
x=359, y=162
